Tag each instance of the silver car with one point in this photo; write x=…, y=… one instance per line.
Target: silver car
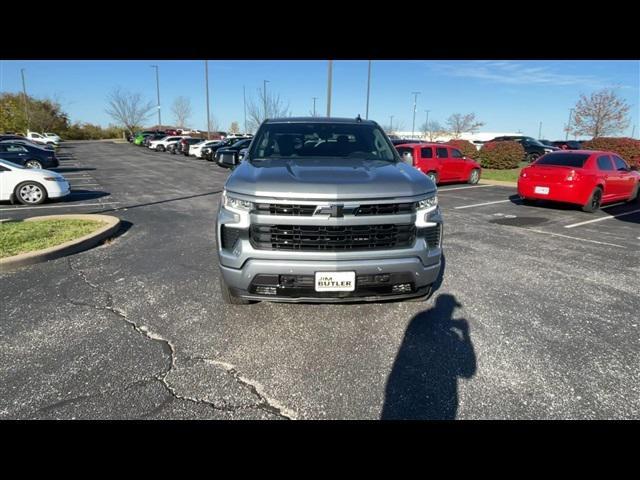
x=324, y=210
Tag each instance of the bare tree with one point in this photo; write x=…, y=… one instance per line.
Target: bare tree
x=433, y=130
x=601, y=114
x=128, y=109
x=396, y=127
x=181, y=109
x=459, y=123
x=234, y=127
x=256, y=109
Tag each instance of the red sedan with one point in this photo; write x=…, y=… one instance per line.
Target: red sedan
x=587, y=178
x=442, y=163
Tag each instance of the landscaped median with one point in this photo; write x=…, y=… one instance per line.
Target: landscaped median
x=39, y=239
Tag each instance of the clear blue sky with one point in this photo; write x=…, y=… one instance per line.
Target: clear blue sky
x=508, y=95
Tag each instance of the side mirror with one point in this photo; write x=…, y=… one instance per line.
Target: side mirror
x=228, y=159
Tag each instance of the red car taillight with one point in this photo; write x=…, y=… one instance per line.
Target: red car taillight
x=573, y=175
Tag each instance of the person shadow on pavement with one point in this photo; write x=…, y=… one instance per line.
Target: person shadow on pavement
x=435, y=352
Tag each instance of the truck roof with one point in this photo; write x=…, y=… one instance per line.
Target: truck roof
x=318, y=120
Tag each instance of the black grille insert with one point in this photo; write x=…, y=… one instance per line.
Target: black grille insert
x=229, y=236
x=298, y=210
x=332, y=238
x=431, y=235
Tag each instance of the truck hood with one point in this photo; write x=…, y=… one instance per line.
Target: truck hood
x=328, y=178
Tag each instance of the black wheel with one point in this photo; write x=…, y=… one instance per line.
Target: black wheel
x=474, y=176
x=228, y=297
x=30, y=193
x=32, y=164
x=433, y=176
x=161, y=148
x=532, y=157
x=593, y=204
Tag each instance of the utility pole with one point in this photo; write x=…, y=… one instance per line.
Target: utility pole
x=415, y=102
x=368, y=90
x=264, y=92
x=244, y=99
x=540, y=131
x=206, y=76
x=24, y=91
x=633, y=131
x=329, y=88
x=158, y=91
x=427, y=123
x=566, y=137
x=314, y=105
x=391, y=124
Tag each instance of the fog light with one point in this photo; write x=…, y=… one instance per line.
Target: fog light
x=401, y=288
x=266, y=290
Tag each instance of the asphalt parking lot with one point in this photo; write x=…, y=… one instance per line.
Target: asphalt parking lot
x=536, y=316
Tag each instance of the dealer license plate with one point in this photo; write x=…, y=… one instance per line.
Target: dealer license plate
x=335, y=281
x=542, y=190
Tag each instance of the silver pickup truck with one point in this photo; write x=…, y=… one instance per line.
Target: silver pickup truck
x=325, y=210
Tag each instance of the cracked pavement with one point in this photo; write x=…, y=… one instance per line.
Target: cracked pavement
x=135, y=329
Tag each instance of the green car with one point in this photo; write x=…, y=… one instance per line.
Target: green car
x=140, y=138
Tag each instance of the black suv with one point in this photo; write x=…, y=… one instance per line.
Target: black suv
x=208, y=153
x=568, y=144
x=532, y=147
x=28, y=156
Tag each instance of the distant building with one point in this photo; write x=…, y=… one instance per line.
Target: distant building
x=472, y=137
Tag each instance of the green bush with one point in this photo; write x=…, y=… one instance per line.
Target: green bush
x=627, y=148
x=467, y=148
x=501, y=155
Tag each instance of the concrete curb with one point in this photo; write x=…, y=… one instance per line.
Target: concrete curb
x=498, y=182
x=64, y=249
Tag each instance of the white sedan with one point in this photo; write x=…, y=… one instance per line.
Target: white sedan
x=162, y=144
x=30, y=186
x=196, y=150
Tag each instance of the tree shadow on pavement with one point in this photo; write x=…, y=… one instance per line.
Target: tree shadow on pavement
x=435, y=352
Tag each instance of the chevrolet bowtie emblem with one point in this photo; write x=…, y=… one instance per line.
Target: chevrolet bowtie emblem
x=334, y=210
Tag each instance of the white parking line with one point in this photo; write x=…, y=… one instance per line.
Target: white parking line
x=462, y=188
x=600, y=219
x=59, y=206
x=480, y=204
x=576, y=238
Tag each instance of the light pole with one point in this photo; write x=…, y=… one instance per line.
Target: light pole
x=24, y=91
x=368, y=90
x=540, y=131
x=426, y=125
x=391, y=124
x=314, y=105
x=264, y=92
x=329, y=79
x=244, y=99
x=633, y=131
x=415, y=102
x=566, y=137
x=158, y=91
x=206, y=81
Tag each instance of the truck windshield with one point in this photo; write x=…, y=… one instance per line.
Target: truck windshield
x=312, y=140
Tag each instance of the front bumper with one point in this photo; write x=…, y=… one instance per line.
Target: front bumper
x=289, y=274
x=58, y=189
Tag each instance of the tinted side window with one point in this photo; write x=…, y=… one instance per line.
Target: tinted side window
x=441, y=152
x=620, y=164
x=456, y=153
x=604, y=163
x=426, y=152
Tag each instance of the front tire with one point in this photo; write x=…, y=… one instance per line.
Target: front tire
x=160, y=148
x=434, y=177
x=33, y=164
x=593, y=204
x=532, y=157
x=30, y=193
x=474, y=176
x=228, y=298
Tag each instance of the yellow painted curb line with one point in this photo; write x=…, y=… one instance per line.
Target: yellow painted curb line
x=66, y=248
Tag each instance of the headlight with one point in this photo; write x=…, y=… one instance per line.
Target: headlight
x=428, y=203
x=548, y=150
x=234, y=203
